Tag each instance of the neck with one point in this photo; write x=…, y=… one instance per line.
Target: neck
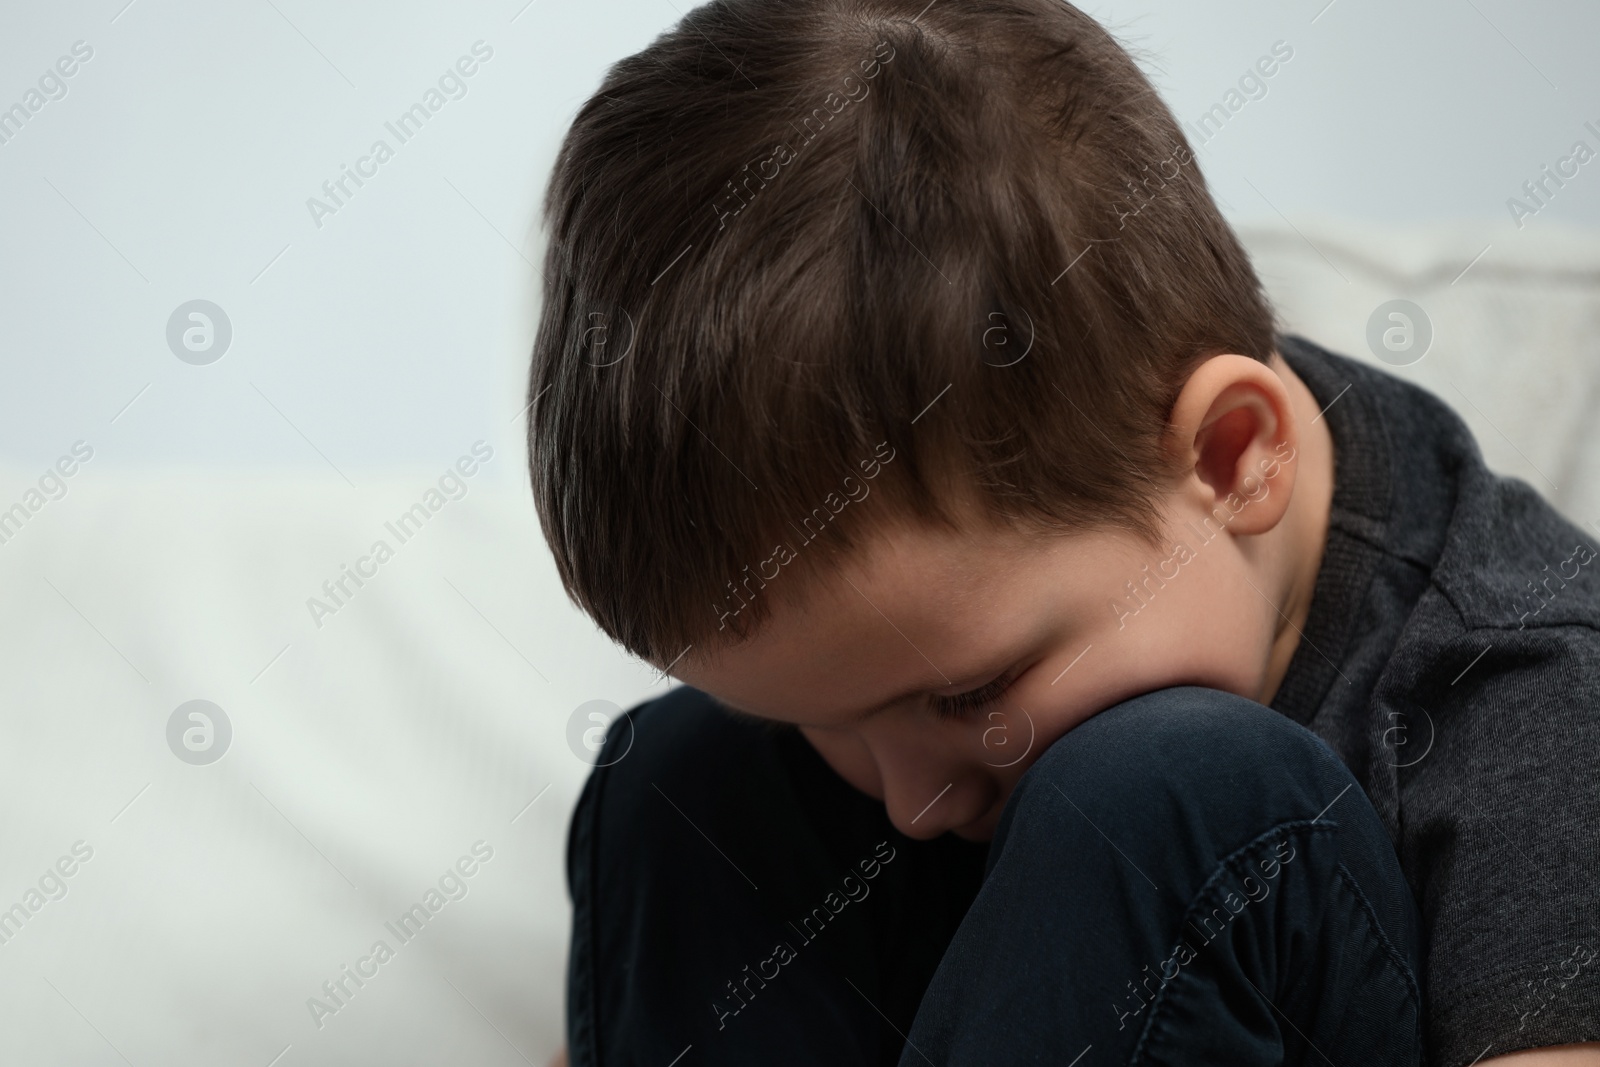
x=1303, y=533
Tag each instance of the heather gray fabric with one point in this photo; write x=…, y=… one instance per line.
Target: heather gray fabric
x=1452, y=660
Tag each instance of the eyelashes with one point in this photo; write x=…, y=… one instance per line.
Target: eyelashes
x=965, y=705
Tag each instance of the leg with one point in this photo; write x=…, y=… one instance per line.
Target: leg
x=1187, y=877
x=729, y=890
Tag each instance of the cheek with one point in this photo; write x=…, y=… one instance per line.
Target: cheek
x=849, y=757
x=1206, y=626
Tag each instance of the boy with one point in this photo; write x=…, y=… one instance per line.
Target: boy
x=901, y=390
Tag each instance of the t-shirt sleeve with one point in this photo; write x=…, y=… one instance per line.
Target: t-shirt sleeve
x=1500, y=834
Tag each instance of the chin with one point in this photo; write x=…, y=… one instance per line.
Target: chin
x=980, y=830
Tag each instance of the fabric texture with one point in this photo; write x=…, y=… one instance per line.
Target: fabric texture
x=1187, y=877
x=1452, y=660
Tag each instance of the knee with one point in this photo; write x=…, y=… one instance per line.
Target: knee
x=1188, y=733
x=1187, y=761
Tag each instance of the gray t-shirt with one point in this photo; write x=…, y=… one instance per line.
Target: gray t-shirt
x=1452, y=659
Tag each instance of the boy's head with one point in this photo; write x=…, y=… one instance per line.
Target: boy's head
x=883, y=342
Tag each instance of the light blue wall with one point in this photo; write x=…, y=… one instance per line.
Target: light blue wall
x=179, y=163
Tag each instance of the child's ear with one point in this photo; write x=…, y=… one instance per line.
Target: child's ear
x=1234, y=434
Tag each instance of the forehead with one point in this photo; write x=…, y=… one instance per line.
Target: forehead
x=914, y=607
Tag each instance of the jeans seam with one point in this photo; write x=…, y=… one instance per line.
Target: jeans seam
x=1412, y=985
x=1203, y=894
x=1208, y=889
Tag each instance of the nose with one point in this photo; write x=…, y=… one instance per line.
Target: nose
x=926, y=795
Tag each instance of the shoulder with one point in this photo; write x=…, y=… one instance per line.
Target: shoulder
x=1512, y=562
x=675, y=749
x=1489, y=745
x=1502, y=555
x=1484, y=724
x=677, y=742
x=1489, y=737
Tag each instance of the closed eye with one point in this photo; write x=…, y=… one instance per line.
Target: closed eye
x=965, y=705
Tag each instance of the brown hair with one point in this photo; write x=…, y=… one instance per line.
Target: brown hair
x=941, y=251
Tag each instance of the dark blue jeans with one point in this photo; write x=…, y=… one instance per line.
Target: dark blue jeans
x=1187, y=877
